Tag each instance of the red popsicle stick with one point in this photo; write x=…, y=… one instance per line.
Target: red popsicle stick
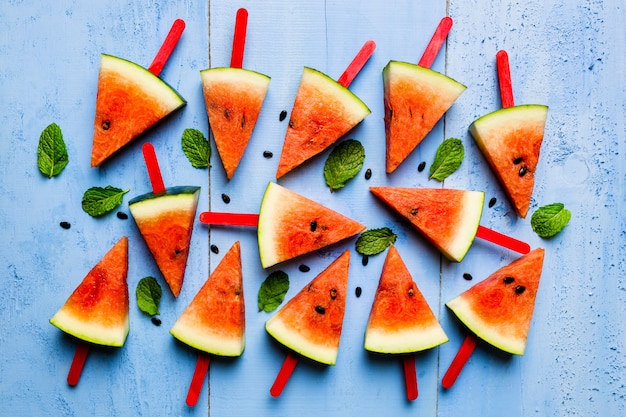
x=230, y=219
x=504, y=79
x=80, y=355
x=357, y=63
x=152, y=165
x=502, y=240
x=285, y=372
x=410, y=377
x=436, y=42
x=195, y=388
x=239, y=38
x=464, y=353
x=167, y=47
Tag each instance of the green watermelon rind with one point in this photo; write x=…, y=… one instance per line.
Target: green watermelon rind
x=235, y=74
x=92, y=332
x=141, y=76
x=472, y=213
x=321, y=354
x=503, y=117
x=405, y=340
x=144, y=205
x=440, y=81
x=212, y=343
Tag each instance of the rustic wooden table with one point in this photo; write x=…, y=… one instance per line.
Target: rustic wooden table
x=568, y=55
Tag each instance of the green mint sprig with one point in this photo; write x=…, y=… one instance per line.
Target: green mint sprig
x=196, y=148
x=344, y=163
x=148, y=295
x=448, y=159
x=272, y=291
x=550, y=219
x=98, y=201
x=52, y=154
x=374, y=241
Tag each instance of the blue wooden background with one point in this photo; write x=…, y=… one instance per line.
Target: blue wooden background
x=568, y=56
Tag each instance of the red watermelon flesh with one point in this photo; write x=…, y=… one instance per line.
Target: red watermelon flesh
x=510, y=140
x=448, y=218
x=311, y=322
x=415, y=99
x=400, y=320
x=97, y=310
x=130, y=99
x=214, y=321
x=291, y=225
x=499, y=309
x=233, y=98
x=323, y=112
x=166, y=224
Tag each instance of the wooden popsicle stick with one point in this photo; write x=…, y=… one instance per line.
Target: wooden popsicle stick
x=195, y=388
x=76, y=369
x=410, y=376
x=502, y=240
x=152, y=165
x=285, y=372
x=357, y=63
x=167, y=47
x=239, y=38
x=464, y=353
x=229, y=219
x=436, y=42
x=504, y=79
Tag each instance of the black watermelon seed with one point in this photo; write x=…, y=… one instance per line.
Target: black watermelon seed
x=122, y=215
x=225, y=198
x=467, y=276
x=268, y=154
x=156, y=321
x=215, y=249
x=313, y=225
x=508, y=280
x=320, y=309
x=368, y=174
x=522, y=171
x=106, y=125
x=283, y=115
x=65, y=225
x=365, y=260
x=492, y=202
x=333, y=293
x=421, y=166
x=520, y=289
x=518, y=161
x=304, y=268
x=357, y=292
x=411, y=292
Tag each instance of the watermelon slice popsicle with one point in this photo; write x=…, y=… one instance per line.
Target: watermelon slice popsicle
x=233, y=97
x=448, y=218
x=214, y=321
x=165, y=219
x=324, y=110
x=131, y=98
x=510, y=139
x=497, y=310
x=97, y=311
x=286, y=217
x=415, y=99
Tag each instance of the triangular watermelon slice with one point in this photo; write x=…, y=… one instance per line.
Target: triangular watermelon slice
x=291, y=225
x=400, y=320
x=311, y=322
x=214, y=321
x=166, y=221
x=130, y=99
x=415, y=99
x=510, y=139
x=233, y=98
x=499, y=309
x=97, y=310
x=448, y=218
x=323, y=112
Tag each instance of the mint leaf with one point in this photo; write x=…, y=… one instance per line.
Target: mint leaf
x=148, y=295
x=374, y=241
x=196, y=148
x=51, y=152
x=549, y=220
x=343, y=163
x=272, y=291
x=98, y=201
x=448, y=159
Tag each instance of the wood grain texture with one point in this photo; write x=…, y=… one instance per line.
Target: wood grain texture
x=568, y=56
